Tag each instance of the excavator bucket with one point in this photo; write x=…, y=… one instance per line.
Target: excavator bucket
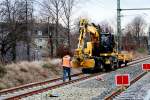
x=86, y=63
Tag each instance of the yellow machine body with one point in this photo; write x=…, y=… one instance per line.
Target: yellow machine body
x=83, y=57
x=125, y=56
x=82, y=54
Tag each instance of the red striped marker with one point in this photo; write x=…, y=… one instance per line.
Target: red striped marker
x=122, y=80
x=146, y=67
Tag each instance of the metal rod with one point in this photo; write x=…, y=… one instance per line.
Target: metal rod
x=136, y=9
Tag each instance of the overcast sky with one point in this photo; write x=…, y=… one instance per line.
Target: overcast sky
x=101, y=10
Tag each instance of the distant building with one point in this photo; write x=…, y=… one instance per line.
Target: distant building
x=40, y=39
x=39, y=46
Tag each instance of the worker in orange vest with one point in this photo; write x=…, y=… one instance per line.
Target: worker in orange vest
x=66, y=63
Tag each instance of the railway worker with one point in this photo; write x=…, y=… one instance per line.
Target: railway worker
x=66, y=63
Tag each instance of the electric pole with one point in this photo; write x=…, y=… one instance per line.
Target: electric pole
x=118, y=26
x=119, y=31
x=50, y=42
x=149, y=41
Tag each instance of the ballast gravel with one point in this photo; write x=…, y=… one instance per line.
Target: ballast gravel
x=90, y=89
x=138, y=91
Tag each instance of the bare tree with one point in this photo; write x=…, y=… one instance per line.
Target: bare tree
x=28, y=21
x=53, y=9
x=137, y=27
x=12, y=27
x=8, y=27
x=134, y=32
x=68, y=7
x=106, y=27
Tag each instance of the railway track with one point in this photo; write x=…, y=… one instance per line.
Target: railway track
x=49, y=87
x=26, y=86
x=39, y=87
x=119, y=90
x=12, y=92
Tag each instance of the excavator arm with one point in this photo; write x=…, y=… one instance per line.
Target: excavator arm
x=83, y=56
x=86, y=28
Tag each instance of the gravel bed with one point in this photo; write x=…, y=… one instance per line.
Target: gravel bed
x=90, y=89
x=26, y=90
x=139, y=90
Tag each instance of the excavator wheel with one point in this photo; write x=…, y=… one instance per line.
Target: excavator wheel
x=112, y=66
x=87, y=70
x=126, y=62
x=102, y=68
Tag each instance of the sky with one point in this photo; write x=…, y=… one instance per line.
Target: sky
x=101, y=10
x=105, y=10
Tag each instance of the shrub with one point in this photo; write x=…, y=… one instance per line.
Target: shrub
x=2, y=71
x=20, y=80
x=141, y=50
x=45, y=65
x=63, y=50
x=2, y=86
x=23, y=70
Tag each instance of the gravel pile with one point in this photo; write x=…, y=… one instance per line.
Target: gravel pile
x=90, y=89
x=140, y=90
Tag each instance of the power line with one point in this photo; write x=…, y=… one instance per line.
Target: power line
x=135, y=9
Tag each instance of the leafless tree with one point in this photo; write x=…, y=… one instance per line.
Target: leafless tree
x=53, y=9
x=134, y=32
x=106, y=27
x=7, y=34
x=136, y=28
x=68, y=8
x=12, y=27
x=28, y=20
x=138, y=25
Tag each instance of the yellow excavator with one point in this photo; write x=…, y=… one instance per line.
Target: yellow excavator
x=96, y=50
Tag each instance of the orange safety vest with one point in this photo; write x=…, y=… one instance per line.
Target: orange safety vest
x=66, y=61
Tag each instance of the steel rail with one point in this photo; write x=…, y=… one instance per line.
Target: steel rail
x=120, y=90
x=53, y=80
x=17, y=88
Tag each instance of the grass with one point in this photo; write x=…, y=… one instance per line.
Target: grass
x=141, y=50
x=45, y=65
x=26, y=72
x=2, y=86
x=3, y=71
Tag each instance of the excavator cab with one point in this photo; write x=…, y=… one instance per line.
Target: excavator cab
x=107, y=42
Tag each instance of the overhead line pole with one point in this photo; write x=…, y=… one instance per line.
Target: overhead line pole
x=119, y=33
x=118, y=26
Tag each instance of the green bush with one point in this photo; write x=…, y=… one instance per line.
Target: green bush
x=2, y=71
x=141, y=50
x=2, y=86
x=46, y=66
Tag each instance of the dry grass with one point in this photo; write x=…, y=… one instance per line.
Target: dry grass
x=137, y=54
x=26, y=72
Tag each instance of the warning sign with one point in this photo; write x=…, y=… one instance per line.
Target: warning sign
x=146, y=67
x=122, y=80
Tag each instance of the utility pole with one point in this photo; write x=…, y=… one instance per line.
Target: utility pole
x=27, y=32
x=149, y=42
x=119, y=26
x=50, y=42
x=119, y=31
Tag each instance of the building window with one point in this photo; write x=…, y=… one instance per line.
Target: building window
x=40, y=40
x=41, y=47
x=40, y=33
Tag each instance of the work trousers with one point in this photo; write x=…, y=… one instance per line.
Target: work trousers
x=66, y=71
